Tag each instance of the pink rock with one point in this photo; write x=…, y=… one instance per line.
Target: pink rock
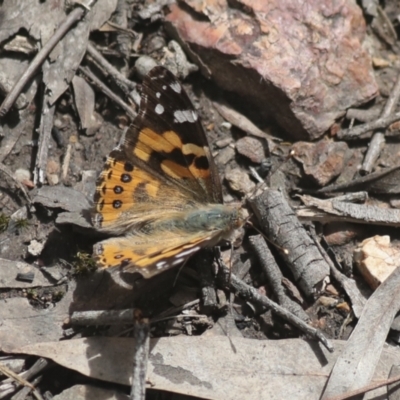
x=300, y=62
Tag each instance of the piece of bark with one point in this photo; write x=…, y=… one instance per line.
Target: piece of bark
x=89, y=392
x=333, y=210
x=85, y=105
x=280, y=224
x=303, y=64
x=243, y=123
x=46, y=124
x=274, y=276
x=357, y=364
x=202, y=366
x=348, y=285
x=385, y=181
x=378, y=141
x=63, y=61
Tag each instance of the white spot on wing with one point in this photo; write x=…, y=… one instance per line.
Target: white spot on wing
x=187, y=252
x=177, y=261
x=159, y=109
x=164, y=87
x=160, y=264
x=185, y=116
x=176, y=87
x=158, y=95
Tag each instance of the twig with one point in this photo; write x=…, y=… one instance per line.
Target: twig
x=121, y=317
x=375, y=147
x=274, y=276
x=18, y=184
x=378, y=139
x=125, y=84
x=46, y=124
x=393, y=99
x=348, y=284
x=140, y=358
x=36, y=368
x=354, y=133
x=363, y=115
x=67, y=160
x=365, y=389
x=25, y=391
x=74, y=16
x=107, y=91
x=251, y=294
x=108, y=317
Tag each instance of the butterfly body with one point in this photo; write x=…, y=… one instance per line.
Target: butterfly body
x=159, y=193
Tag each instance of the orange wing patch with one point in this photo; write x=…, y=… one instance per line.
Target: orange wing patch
x=118, y=187
x=147, y=254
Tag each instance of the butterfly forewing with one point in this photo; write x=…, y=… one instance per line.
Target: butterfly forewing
x=169, y=138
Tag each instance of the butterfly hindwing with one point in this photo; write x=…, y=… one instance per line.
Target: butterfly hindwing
x=149, y=255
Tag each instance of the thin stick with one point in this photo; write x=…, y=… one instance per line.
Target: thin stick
x=354, y=133
x=46, y=123
x=74, y=16
x=378, y=141
x=251, y=294
x=140, y=358
x=107, y=91
x=125, y=84
x=365, y=389
x=18, y=184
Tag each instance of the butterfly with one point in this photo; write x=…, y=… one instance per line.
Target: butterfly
x=159, y=195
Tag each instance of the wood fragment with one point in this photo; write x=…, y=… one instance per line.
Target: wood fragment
x=25, y=391
x=355, y=367
x=243, y=123
x=45, y=127
x=362, y=214
x=140, y=357
x=378, y=141
x=348, y=285
x=108, y=92
x=251, y=294
x=274, y=276
x=383, y=181
x=356, y=132
x=394, y=387
x=375, y=147
x=102, y=317
x=280, y=224
x=352, y=393
x=363, y=115
x=123, y=83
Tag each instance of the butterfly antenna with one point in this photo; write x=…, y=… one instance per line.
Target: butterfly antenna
x=231, y=294
x=261, y=184
x=179, y=272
